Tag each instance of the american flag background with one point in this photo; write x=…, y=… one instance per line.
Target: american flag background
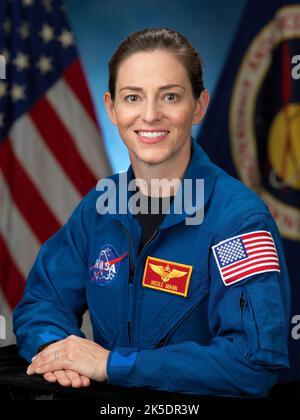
x=51, y=151
x=244, y=255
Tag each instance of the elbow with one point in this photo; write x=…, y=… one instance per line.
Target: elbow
x=264, y=367
x=261, y=384
x=262, y=378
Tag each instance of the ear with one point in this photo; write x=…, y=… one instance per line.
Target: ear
x=110, y=109
x=201, y=107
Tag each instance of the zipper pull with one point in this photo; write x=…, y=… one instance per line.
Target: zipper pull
x=242, y=303
x=131, y=274
x=129, y=331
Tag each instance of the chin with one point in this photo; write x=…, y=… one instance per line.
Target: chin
x=152, y=158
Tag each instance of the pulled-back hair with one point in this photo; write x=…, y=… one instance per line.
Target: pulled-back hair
x=150, y=40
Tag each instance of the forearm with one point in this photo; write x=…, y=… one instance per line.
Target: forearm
x=218, y=369
x=32, y=332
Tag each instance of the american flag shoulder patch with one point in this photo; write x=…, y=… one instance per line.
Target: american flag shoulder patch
x=242, y=256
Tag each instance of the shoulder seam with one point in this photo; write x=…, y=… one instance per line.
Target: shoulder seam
x=224, y=235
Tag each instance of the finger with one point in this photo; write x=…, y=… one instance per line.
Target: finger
x=62, y=378
x=49, y=362
x=49, y=352
x=75, y=378
x=53, y=356
x=71, y=339
x=49, y=367
x=85, y=380
x=30, y=370
x=51, y=348
x=50, y=377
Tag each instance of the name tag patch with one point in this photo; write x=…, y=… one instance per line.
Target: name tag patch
x=167, y=276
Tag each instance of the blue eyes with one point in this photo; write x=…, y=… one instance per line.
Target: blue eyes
x=170, y=97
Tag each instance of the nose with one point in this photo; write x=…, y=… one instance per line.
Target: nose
x=151, y=111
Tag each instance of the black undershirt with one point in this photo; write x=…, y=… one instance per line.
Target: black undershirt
x=150, y=222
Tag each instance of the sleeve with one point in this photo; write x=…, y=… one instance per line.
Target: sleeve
x=249, y=327
x=54, y=298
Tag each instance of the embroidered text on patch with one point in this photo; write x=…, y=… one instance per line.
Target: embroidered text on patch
x=106, y=266
x=244, y=255
x=167, y=276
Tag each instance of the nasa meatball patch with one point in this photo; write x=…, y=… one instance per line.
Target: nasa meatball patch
x=106, y=266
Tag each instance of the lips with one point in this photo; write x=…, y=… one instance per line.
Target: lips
x=152, y=136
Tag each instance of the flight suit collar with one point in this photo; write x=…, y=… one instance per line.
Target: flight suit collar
x=199, y=168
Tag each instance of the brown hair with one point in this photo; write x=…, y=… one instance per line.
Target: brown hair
x=158, y=39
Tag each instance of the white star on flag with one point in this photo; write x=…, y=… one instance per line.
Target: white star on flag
x=21, y=61
x=47, y=33
x=44, y=64
x=66, y=38
x=24, y=30
x=17, y=92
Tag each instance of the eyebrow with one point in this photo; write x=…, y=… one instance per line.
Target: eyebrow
x=139, y=89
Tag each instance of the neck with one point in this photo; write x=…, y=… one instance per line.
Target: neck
x=151, y=175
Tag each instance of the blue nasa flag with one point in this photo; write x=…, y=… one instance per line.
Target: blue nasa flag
x=252, y=128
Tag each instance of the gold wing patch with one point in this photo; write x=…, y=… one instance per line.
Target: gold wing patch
x=165, y=274
x=159, y=269
x=176, y=273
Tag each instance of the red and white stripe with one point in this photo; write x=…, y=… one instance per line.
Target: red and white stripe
x=52, y=156
x=262, y=257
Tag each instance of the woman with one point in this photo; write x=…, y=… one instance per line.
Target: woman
x=194, y=306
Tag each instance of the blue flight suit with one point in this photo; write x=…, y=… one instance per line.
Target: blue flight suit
x=226, y=340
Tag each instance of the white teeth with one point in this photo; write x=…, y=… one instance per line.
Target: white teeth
x=153, y=134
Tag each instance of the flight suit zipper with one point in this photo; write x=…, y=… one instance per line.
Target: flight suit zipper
x=130, y=299
x=131, y=278
x=137, y=261
x=130, y=283
x=146, y=244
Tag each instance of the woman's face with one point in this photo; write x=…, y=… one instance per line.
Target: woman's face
x=154, y=107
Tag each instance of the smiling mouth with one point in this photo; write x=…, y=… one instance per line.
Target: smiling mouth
x=152, y=134
x=151, y=137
